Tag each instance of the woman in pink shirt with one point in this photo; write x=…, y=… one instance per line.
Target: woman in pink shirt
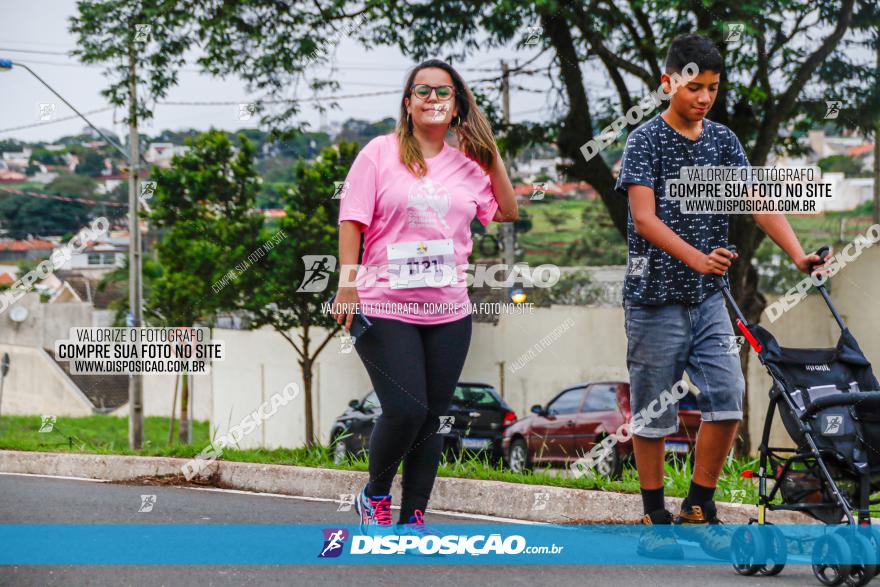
x=413, y=197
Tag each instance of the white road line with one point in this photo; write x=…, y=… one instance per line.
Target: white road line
x=329, y=500
x=300, y=497
x=57, y=477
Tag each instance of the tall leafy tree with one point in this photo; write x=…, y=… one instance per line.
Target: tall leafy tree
x=21, y=216
x=309, y=228
x=202, y=209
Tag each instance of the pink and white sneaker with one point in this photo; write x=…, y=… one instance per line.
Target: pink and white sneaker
x=373, y=510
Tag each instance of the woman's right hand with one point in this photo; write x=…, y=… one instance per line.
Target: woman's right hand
x=345, y=306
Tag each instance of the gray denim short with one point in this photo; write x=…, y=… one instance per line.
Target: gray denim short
x=664, y=341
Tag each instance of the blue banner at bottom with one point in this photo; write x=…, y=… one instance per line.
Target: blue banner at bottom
x=457, y=544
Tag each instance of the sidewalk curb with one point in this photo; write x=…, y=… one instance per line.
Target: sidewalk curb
x=536, y=503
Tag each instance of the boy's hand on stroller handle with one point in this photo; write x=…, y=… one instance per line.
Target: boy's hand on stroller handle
x=814, y=262
x=717, y=262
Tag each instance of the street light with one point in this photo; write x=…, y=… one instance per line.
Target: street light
x=7, y=64
x=135, y=383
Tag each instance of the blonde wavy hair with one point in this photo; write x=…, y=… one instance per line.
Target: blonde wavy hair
x=470, y=126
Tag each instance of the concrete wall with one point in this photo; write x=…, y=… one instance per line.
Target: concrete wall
x=35, y=382
x=159, y=393
x=46, y=323
x=261, y=363
x=35, y=385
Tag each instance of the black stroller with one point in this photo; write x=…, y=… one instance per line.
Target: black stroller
x=829, y=402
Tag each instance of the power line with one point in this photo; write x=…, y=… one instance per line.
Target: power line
x=35, y=51
x=288, y=101
x=16, y=41
x=55, y=120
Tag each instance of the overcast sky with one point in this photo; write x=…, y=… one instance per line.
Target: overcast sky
x=40, y=27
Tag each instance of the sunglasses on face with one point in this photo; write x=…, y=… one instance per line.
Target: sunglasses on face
x=443, y=93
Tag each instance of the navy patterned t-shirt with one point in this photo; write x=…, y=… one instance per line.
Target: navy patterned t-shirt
x=655, y=152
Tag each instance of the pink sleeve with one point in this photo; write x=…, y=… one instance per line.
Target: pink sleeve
x=487, y=205
x=358, y=196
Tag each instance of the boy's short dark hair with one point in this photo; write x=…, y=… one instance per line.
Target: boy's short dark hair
x=693, y=48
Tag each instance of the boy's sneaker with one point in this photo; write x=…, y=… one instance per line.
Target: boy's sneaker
x=702, y=523
x=657, y=539
x=373, y=510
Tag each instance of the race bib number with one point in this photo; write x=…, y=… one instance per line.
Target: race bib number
x=429, y=263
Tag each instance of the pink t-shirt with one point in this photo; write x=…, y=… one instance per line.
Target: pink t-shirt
x=412, y=213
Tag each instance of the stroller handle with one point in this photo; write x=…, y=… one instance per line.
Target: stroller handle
x=821, y=251
x=719, y=279
x=872, y=399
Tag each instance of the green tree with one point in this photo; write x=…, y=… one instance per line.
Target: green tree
x=91, y=163
x=556, y=219
x=362, y=131
x=23, y=216
x=202, y=208
x=73, y=186
x=46, y=156
x=600, y=242
x=142, y=44
x=845, y=164
x=310, y=229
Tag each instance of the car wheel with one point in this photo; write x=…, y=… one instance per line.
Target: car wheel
x=518, y=456
x=340, y=451
x=609, y=464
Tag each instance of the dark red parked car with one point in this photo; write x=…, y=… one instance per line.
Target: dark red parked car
x=578, y=418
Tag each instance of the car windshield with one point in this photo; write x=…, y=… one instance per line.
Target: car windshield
x=475, y=397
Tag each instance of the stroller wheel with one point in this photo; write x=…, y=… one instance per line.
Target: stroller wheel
x=874, y=538
x=777, y=553
x=828, y=552
x=862, y=550
x=748, y=550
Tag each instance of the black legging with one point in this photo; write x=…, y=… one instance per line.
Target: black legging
x=414, y=370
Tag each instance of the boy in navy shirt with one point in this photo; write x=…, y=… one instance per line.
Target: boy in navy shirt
x=675, y=315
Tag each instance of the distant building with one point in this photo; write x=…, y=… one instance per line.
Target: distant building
x=8, y=275
x=17, y=160
x=825, y=146
x=160, y=154
x=847, y=192
x=108, y=183
x=96, y=260
x=7, y=176
x=25, y=250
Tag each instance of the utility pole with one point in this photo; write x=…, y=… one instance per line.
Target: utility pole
x=876, y=214
x=508, y=238
x=135, y=380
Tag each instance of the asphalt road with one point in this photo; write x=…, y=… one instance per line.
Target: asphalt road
x=32, y=499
